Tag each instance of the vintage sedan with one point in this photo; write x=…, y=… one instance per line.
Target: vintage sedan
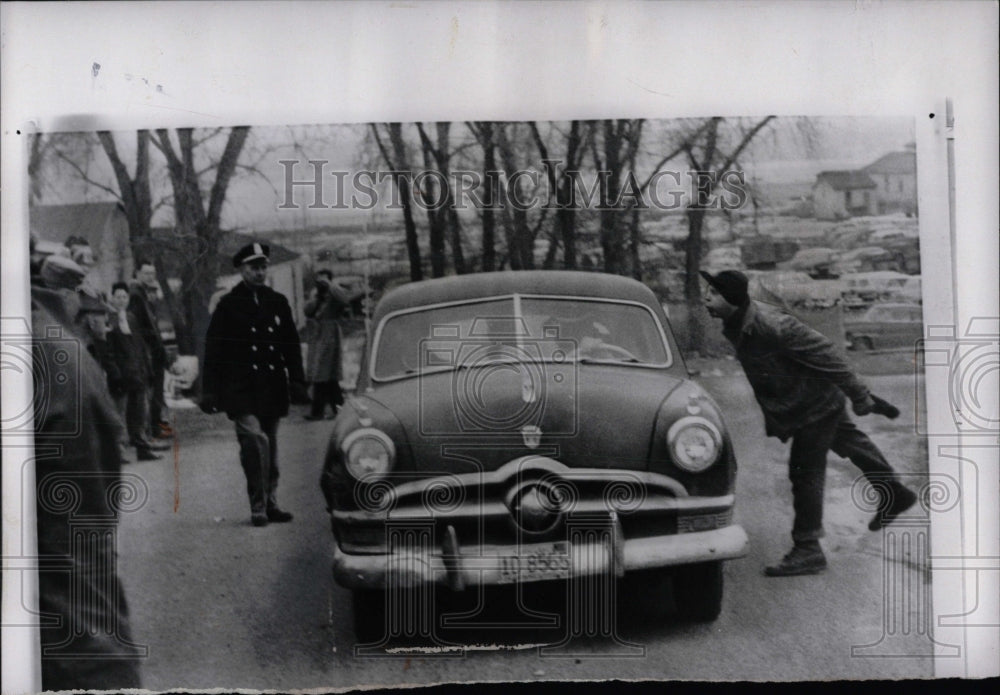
x=528, y=426
x=885, y=326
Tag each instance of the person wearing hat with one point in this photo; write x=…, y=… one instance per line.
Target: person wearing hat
x=86, y=638
x=253, y=361
x=800, y=382
x=323, y=358
x=132, y=357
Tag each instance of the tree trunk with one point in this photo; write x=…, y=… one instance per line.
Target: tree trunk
x=635, y=242
x=442, y=155
x=198, y=223
x=492, y=182
x=520, y=240
x=435, y=221
x=692, y=281
x=566, y=197
x=402, y=182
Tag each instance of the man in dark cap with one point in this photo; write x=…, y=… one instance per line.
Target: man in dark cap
x=800, y=382
x=252, y=361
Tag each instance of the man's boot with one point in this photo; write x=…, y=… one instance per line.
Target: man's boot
x=894, y=501
x=804, y=558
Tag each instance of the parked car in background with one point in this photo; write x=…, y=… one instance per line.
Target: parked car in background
x=861, y=290
x=817, y=262
x=527, y=427
x=885, y=326
x=792, y=289
x=866, y=259
x=908, y=292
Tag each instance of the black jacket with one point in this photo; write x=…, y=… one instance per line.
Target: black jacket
x=131, y=353
x=105, y=356
x=147, y=324
x=251, y=352
x=796, y=373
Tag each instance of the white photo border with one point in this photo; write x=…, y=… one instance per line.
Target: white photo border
x=84, y=66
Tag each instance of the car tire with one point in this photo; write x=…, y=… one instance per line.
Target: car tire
x=369, y=615
x=697, y=591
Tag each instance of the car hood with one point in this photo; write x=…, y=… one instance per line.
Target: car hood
x=595, y=416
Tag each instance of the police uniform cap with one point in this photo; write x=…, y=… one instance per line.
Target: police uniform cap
x=251, y=252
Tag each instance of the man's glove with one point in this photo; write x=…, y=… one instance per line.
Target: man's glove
x=884, y=407
x=864, y=407
x=298, y=394
x=208, y=403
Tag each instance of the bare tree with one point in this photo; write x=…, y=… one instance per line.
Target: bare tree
x=484, y=134
x=397, y=163
x=445, y=212
x=614, y=160
x=134, y=190
x=710, y=159
x=430, y=192
x=520, y=239
x=562, y=190
x=198, y=220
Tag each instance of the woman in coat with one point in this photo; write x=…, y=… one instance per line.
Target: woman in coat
x=323, y=360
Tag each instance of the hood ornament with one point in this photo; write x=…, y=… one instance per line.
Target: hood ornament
x=532, y=435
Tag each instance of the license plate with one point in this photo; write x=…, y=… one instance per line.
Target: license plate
x=550, y=561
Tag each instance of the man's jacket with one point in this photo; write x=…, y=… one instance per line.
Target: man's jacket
x=131, y=353
x=252, y=350
x=147, y=324
x=86, y=637
x=796, y=373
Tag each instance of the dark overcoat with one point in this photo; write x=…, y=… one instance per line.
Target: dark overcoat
x=252, y=350
x=147, y=324
x=323, y=360
x=131, y=353
x=80, y=493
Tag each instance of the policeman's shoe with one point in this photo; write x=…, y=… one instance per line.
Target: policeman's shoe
x=258, y=519
x=895, y=501
x=278, y=516
x=799, y=561
x=147, y=455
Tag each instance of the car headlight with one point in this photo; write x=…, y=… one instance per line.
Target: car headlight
x=695, y=443
x=368, y=454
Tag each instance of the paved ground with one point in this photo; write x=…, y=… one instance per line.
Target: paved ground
x=223, y=604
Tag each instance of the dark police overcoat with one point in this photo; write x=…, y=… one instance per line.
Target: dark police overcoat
x=252, y=350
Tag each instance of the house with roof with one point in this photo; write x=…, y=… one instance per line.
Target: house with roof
x=838, y=195
x=103, y=225
x=895, y=178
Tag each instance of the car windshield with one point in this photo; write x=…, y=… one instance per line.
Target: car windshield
x=517, y=329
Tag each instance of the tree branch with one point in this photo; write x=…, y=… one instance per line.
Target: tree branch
x=85, y=177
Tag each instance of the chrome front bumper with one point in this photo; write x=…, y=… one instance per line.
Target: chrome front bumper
x=485, y=565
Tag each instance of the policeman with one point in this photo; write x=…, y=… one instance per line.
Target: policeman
x=252, y=360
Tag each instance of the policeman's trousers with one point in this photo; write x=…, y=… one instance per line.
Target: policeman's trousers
x=258, y=439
